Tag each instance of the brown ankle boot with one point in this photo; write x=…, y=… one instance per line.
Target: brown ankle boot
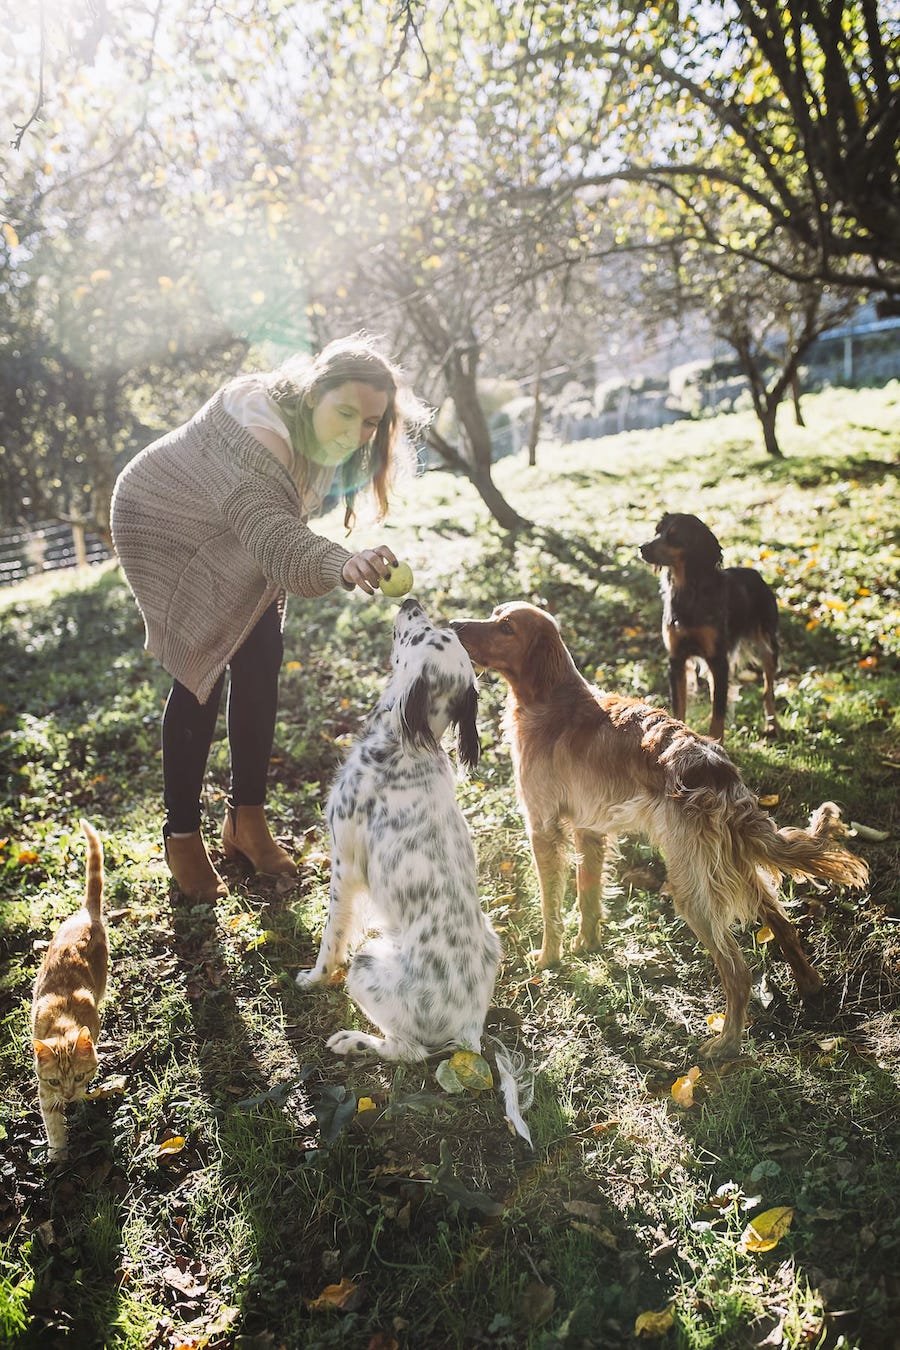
x=246, y=835
x=191, y=868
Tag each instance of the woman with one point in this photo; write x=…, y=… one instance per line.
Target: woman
x=209, y=523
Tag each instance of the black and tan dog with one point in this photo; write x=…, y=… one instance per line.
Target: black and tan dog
x=712, y=612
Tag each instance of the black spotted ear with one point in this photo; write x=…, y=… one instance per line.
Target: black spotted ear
x=415, y=729
x=464, y=714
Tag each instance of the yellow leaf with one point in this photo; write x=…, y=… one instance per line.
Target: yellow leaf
x=239, y=921
x=507, y=866
x=267, y=935
x=293, y=665
x=10, y=235
x=812, y=623
x=165, y=283
x=26, y=857
x=767, y=1229
x=471, y=1070
x=683, y=1088
x=365, y=1104
x=432, y=264
x=764, y=935
x=715, y=1021
x=101, y=274
x=651, y=1324
x=341, y=1295
x=171, y=1146
x=769, y=799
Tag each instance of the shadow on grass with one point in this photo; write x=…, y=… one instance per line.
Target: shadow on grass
x=810, y=473
x=76, y=1215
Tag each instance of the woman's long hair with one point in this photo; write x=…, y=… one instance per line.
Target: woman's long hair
x=298, y=384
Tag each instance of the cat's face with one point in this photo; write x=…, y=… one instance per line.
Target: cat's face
x=66, y=1064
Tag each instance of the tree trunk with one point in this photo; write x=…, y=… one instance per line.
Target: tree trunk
x=795, y=395
x=535, y=417
x=767, y=418
x=460, y=368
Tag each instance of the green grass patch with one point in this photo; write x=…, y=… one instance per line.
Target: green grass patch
x=438, y=1227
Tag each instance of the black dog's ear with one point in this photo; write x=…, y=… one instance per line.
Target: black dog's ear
x=711, y=549
x=698, y=541
x=414, y=727
x=464, y=714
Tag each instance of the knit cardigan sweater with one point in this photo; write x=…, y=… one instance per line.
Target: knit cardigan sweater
x=210, y=529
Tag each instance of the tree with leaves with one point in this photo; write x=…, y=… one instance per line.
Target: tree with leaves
x=790, y=112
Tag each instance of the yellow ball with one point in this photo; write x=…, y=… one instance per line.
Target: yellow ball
x=398, y=581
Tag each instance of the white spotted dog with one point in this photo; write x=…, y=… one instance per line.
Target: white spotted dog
x=403, y=861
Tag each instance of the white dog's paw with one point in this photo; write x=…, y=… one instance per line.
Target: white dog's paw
x=308, y=979
x=350, y=1043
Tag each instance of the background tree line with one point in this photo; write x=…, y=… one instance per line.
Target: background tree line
x=497, y=187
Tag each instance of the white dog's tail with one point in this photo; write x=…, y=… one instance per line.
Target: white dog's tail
x=516, y=1085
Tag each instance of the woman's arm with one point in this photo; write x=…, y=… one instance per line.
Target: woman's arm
x=274, y=443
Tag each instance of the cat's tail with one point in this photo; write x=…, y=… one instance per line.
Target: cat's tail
x=93, y=872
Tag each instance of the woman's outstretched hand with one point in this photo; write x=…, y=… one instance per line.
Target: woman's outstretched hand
x=366, y=568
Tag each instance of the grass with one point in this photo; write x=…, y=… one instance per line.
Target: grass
x=436, y=1225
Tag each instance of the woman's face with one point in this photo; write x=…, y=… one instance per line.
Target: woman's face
x=345, y=418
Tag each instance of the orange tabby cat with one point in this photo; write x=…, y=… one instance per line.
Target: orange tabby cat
x=64, y=1007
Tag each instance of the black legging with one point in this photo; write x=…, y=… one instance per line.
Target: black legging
x=188, y=726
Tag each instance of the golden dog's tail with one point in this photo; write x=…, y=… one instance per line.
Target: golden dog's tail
x=730, y=853
x=816, y=852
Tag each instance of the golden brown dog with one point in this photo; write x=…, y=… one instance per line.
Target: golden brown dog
x=592, y=764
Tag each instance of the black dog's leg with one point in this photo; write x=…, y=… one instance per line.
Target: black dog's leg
x=718, y=669
x=770, y=662
x=678, y=687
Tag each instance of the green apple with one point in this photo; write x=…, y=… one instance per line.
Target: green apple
x=398, y=581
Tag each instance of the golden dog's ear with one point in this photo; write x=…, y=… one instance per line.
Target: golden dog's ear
x=546, y=659
x=463, y=714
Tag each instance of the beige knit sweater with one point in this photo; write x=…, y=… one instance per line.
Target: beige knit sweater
x=210, y=529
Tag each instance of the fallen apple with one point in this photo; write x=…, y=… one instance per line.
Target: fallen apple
x=398, y=581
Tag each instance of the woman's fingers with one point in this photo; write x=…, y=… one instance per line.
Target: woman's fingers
x=366, y=568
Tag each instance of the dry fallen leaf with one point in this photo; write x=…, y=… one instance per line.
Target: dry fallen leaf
x=715, y=1022
x=538, y=1302
x=112, y=1087
x=239, y=920
x=345, y=1297
x=683, y=1087
x=769, y=799
x=365, y=1104
x=767, y=1229
x=650, y=1324
x=764, y=935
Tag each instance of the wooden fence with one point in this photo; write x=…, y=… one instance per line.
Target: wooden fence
x=45, y=547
